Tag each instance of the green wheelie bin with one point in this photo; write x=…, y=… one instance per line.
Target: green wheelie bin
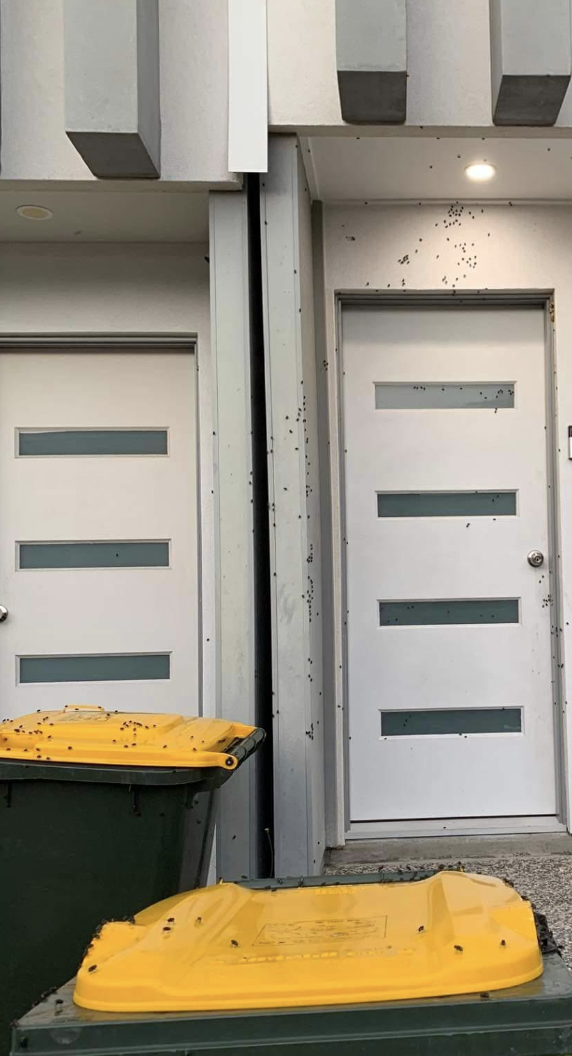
x=100, y=814
x=449, y=964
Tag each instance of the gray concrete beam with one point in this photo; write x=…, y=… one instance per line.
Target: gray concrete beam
x=371, y=51
x=294, y=512
x=531, y=60
x=112, y=92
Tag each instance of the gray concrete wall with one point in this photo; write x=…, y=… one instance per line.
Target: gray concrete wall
x=312, y=368
x=149, y=78
x=371, y=57
x=112, y=85
x=294, y=485
x=531, y=60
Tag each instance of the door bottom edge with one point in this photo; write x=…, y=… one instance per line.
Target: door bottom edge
x=514, y=825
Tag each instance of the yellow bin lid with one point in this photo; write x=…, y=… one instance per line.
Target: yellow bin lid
x=89, y=734
x=231, y=947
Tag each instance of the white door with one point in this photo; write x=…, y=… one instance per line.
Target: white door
x=451, y=710
x=98, y=536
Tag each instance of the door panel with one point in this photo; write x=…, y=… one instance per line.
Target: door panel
x=449, y=402
x=98, y=448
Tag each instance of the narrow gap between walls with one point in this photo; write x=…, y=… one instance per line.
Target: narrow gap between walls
x=262, y=607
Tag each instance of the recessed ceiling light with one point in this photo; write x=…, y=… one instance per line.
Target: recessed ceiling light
x=480, y=170
x=34, y=212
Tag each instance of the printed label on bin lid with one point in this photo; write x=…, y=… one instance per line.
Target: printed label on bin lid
x=82, y=733
x=232, y=947
x=316, y=932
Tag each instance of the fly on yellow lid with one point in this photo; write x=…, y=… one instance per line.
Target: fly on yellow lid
x=89, y=734
x=235, y=947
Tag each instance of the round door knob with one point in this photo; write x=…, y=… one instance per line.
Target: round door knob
x=535, y=558
x=3, y=613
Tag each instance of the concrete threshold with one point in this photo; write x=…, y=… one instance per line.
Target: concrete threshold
x=447, y=849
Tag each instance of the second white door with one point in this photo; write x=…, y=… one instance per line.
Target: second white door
x=451, y=706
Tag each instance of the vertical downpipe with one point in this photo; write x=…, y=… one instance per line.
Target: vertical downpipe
x=262, y=608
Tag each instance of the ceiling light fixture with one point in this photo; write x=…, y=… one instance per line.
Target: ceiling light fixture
x=480, y=170
x=34, y=212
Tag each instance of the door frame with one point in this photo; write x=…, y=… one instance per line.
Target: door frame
x=132, y=341
x=338, y=824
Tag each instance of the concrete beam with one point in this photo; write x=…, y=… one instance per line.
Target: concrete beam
x=371, y=50
x=531, y=60
x=112, y=100
x=294, y=512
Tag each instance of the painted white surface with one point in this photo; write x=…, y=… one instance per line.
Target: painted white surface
x=119, y=289
x=294, y=501
x=370, y=169
x=403, y=668
x=194, y=93
x=59, y=612
x=247, y=86
x=519, y=248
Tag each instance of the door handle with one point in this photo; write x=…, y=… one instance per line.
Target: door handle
x=535, y=558
x=3, y=613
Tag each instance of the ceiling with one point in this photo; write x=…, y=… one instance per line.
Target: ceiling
x=103, y=215
x=431, y=169
x=350, y=169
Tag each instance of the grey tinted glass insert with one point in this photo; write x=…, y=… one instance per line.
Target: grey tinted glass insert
x=410, y=396
x=450, y=720
x=93, y=442
x=94, y=555
x=111, y=668
x=446, y=504
x=433, y=613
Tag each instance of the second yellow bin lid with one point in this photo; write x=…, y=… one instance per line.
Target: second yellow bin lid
x=89, y=734
x=234, y=947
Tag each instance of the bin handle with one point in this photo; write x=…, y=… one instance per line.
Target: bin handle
x=246, y=747
x=83, y=707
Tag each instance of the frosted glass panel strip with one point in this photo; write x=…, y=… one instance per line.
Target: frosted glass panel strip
x=94, y=555
x=411, y=396
x=111, y=668
x=446, y=504
x=450, y=721
x=437, y=613
x=92, y=442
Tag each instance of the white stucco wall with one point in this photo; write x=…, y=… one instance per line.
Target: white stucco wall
x=514, y=248
x=448, y=64
x=194, y=92
x=46, y=289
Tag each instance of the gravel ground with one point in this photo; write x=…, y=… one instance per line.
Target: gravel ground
x=545, y=879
